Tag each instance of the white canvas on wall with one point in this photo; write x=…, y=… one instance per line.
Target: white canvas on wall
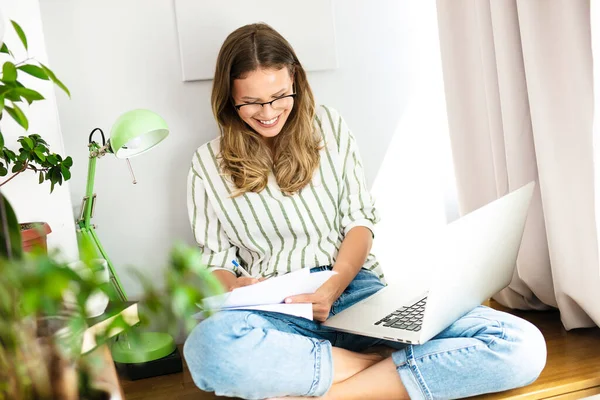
x=202, y=27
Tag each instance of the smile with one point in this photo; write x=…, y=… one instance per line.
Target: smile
x=269, y=123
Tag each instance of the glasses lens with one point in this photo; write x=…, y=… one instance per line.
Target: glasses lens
x=284, y=102
x=250, y=109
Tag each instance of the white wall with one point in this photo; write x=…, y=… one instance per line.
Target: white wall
x=419, y=158
x=595, y=32
x=31, y=201
x=117, y=55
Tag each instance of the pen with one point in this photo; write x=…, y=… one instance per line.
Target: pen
x=242, y=270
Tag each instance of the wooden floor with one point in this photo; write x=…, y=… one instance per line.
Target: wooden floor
x=572, y=370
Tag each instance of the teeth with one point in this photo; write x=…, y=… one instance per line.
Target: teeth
x=269, y=122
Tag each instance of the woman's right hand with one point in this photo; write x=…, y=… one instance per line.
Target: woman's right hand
x=242, y=281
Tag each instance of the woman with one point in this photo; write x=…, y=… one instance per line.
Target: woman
x=281, y=189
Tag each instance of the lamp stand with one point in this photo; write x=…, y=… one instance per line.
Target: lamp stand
x=88, y=231
x=152, y=347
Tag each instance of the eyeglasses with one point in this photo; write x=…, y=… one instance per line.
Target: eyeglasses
x=279, y=103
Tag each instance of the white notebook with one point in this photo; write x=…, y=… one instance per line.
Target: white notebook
x=269, y=295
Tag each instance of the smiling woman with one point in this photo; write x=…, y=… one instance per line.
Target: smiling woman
x=266, y=121
x=270, y=126
x=283, y=189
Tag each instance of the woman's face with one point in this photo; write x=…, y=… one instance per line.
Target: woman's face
x=261, y=86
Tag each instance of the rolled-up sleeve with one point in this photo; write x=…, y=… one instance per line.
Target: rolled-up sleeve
x=357, y=207
x=217, y=251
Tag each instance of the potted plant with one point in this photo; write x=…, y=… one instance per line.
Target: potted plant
x=41, y=335
x=32, y=153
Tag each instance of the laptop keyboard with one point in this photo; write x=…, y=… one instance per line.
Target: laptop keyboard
x=408, y=318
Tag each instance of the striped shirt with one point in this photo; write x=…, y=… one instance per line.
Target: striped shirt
x=272, y=232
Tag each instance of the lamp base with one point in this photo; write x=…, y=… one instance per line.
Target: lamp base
x=171, y=364
x=150, y=346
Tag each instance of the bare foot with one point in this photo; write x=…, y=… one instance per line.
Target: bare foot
x=346, y=364
x=380, y=381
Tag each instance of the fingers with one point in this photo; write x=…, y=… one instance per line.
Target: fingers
x=301, y=298
x=243, y=281
x=321, y=307
x=321, y=312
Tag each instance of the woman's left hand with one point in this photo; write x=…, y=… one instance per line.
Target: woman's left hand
x=322, y=299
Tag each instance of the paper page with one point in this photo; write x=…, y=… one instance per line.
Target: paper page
x=270, y=291
x=304, y=310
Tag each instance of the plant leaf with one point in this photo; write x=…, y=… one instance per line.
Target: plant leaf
x=1, y=109
x=9, y=72
x=65, y=171
x=40, y=154
x=54, y=79
x=17, y=167
x=68, y=162
x=12, y=96
x=26, y=142
x=21, y=34
x=38, y=146
x=28, y=94
x=4, y=49
x=38, y=139
x=23, y=155
x=8, y=154
x=10, y=244
x=56, y=176
x=1, y=141
x=41, y=177
x=34, y=70
x=3, y=170
x=18, y=115
x=52, y=159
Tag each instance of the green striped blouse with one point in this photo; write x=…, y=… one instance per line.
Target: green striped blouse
x=269, y=231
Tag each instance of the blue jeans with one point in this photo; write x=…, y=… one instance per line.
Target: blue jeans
x=257, y=355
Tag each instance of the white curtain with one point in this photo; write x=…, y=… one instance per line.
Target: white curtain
x=519, y=90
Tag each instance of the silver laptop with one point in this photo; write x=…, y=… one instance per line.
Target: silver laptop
x=474, y=259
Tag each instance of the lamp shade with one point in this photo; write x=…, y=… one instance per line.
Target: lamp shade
x=136, y=132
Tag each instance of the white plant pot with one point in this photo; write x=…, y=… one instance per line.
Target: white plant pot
x=98, y=301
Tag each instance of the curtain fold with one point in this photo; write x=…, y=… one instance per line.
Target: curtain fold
x=519, y=90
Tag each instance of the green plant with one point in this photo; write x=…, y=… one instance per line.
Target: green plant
x=37, y=365
x=33, y=153
x=37, y=361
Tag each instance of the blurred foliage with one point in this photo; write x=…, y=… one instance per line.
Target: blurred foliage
x=43, y=301
x=43, y=313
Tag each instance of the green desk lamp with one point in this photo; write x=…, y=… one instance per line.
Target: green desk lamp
x=134, y=133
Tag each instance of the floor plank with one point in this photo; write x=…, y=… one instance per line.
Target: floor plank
x=580, y=394
x=573, y=367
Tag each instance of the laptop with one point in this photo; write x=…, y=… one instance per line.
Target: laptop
x=475, y=258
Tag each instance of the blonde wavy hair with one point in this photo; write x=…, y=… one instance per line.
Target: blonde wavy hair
x=244, y=154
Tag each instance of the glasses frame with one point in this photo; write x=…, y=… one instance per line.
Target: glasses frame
x=238, y=106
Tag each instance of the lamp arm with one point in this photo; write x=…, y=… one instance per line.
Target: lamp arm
x=86, y=229
x=89, y=199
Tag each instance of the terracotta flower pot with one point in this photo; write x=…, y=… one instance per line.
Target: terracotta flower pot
x=33, y=235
